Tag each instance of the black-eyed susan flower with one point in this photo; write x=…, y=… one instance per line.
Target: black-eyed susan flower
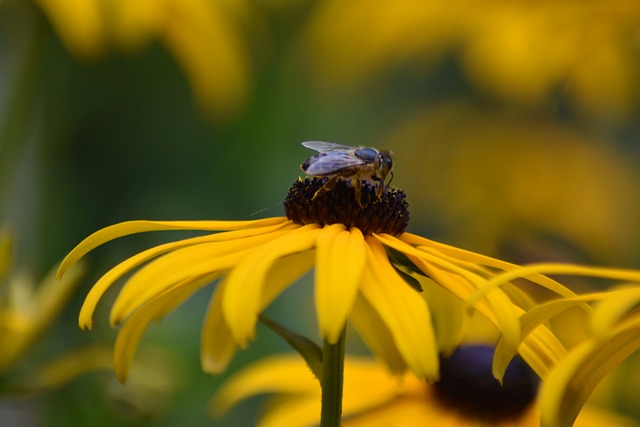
x=466, y=395
x=367, y=269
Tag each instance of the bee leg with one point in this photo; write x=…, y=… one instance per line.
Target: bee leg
x=380, y=186
x=357, y=187
x=380, y=189
x=328, y=186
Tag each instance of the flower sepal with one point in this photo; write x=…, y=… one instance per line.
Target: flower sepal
x=310, y=351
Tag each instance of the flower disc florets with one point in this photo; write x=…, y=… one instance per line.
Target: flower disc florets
x=384, y=213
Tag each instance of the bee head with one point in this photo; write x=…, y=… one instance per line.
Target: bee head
x=386, y=162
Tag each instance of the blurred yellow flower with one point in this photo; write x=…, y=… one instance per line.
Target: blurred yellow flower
x=27, y=309
x=367, y=270
x=499, y=183
x=207, y=38
x=519, y=50
x=466, y=395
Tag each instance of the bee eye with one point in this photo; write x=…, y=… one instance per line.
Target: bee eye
x=367, y=154
x=386, y=158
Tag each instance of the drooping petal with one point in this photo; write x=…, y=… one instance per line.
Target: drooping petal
x=340, y=259
x=181, y=264
x=450, y=315
x=529, y=321
x=528, y=271
x=243, y=294
x=217, y=346
x=133, y=227
x=131, y=332
x=444, y=272
x=473, y=260
x=402, y=309
x=373, y=330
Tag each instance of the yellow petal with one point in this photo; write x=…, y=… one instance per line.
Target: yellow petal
x=402, y=309
x=131, y=332
x=217, y=346
x=340, y=259
x=373, y=330
x=179, y=265
x=211, y=52
x=104, y=283
x=457, y=253
x=531, y=270
x=283, y=273
x=369, y=385
x=282, y=374
x=541, y=350
x=302, y=411
x=470, y=259
x=132, y=227
x=243, y=294
x=407, y=412
x=529, y=321
x=133, y=23
x=79, y=23
x=449, y=313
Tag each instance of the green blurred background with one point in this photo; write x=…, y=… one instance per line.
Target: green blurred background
x=514, y=127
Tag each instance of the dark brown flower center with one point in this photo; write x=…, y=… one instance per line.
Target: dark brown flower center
x=386, y=212
x=468, y=386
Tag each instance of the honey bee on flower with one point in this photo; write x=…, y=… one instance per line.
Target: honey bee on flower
x=357, y=164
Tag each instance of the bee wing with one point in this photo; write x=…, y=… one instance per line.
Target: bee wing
x=325, y=147
x=329, y=163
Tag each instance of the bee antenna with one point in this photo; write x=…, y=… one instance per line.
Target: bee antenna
x=389, y=183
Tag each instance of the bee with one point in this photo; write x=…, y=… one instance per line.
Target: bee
x=356, y=164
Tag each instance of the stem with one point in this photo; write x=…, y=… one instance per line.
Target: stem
x=332, y=378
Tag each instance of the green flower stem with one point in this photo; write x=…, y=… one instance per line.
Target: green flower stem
x=332, y=378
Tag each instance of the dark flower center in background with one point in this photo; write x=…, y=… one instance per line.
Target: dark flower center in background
x=387, y=213
x=467, y=385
